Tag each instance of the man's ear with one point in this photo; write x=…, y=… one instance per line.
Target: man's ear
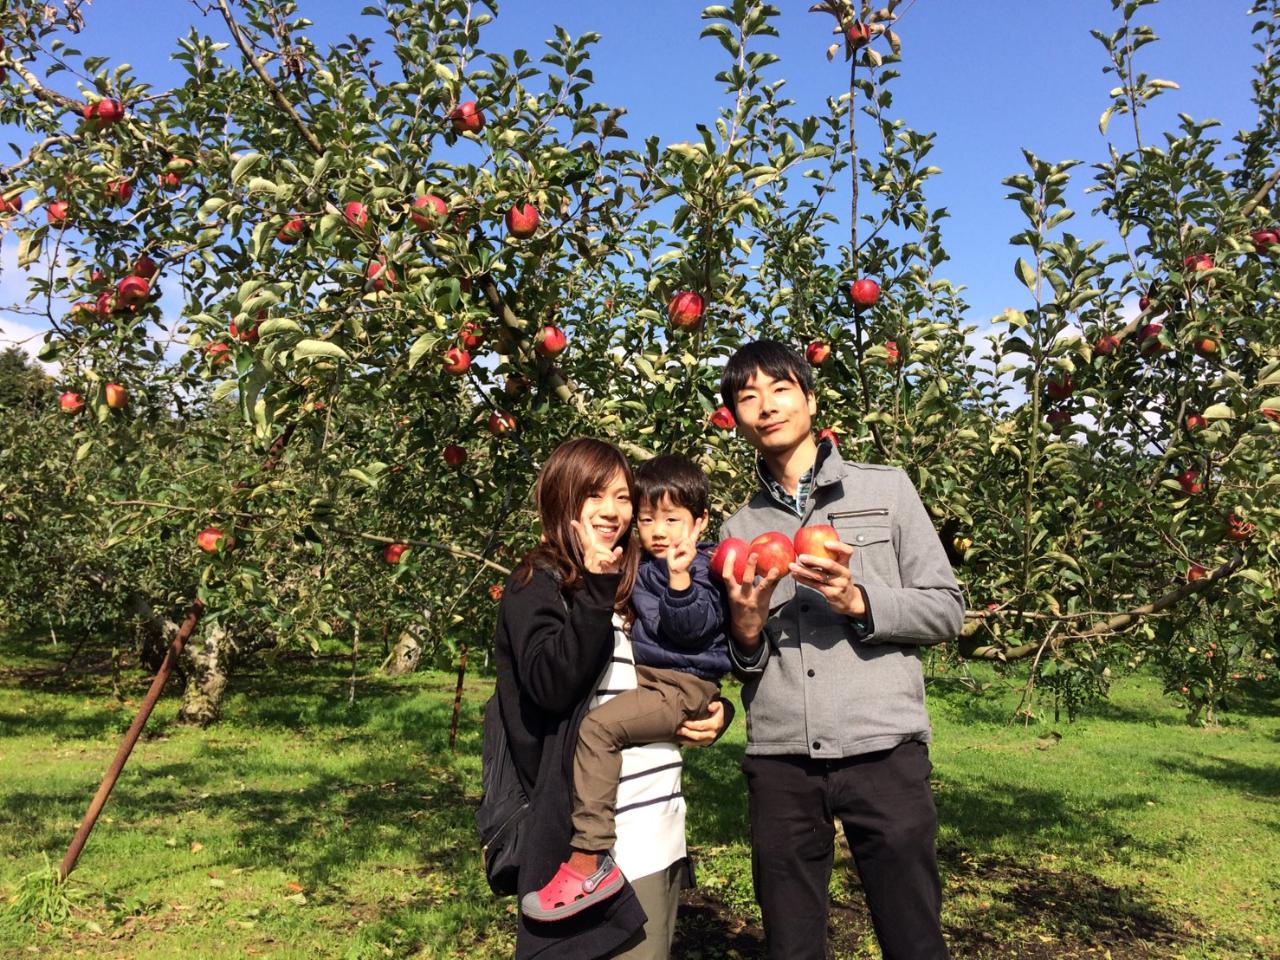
x=813, y=405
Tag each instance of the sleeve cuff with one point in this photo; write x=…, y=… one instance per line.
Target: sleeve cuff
x=679, y=598
x=749, y=664
x=600, y=590
x=864, y=627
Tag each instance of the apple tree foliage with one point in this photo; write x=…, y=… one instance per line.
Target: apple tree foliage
x=346, y=209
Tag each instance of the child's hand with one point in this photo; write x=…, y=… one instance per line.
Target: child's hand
x=681, y=554
x=704, y=730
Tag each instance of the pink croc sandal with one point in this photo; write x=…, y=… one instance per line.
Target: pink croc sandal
x=569, y=892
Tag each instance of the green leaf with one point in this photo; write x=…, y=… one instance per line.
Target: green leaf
x=1219, y=411
x=319, y=348
x=1023, y=271
x=420, y=346
x=243, y=166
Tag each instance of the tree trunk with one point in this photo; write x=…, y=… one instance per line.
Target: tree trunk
x=404, y=656
x=207, y=663
x=155, y=633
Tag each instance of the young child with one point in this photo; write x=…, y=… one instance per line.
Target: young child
x=679, y=644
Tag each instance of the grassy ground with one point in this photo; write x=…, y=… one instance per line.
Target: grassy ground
x=304, y=827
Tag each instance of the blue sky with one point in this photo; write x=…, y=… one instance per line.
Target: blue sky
x=989, y=78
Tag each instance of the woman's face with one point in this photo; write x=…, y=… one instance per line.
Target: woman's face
x=607, y=512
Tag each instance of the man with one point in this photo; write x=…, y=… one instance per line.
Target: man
x=830, y=658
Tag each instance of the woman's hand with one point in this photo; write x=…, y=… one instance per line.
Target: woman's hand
x=703, y=731
x=597, y=557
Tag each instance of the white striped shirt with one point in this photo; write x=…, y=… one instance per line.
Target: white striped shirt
x=650, y=810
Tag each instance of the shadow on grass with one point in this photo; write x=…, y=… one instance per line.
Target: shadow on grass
x=1258, y=781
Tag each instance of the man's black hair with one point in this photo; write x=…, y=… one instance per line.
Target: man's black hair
x=775, y=360
x=675, y=476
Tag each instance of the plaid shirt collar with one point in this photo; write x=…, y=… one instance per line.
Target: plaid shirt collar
x=804, y=489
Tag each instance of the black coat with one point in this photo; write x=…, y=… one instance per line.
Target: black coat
x=550, y=652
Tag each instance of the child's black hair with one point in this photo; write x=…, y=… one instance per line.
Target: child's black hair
x=677, y=477
x=773, y=359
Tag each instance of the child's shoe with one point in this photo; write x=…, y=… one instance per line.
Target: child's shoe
x=569, y=892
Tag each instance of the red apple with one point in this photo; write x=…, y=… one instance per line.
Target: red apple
x=1106, y=345
x=12, y=205
x=551, y=342
x=57, y=212
x=1196, y=421
x=684, y=310
x=210, y=538
x=356, y=215
x=1060, y=387
x=1206, y=347
x=217, y=353
x=826, y=433
x=723, y=418
x=291, y=232
x=1195, y=572
x=105, y=304
x=522, y=221
x=1144, y=302
x=864, y=293
x=739, y=549
x=83, y=312
x=1263, y=239
x=117, y=396
x=454, y=455
x=456, y=361
x=248, y=335
x=1059, y=419
x=773, y=552
x=119, y=190
x=71, y=402
x=170, y=180
x=144, y=267
x=815, y=541
x=817, y=353
x=859, y=34
x=515, y=385
x=393, y=552
x=108, y=111
x=132, y=291
x=1271, y=414
x=472, y=335
x=467, y=118
x=1237, y=529
x=1149, y=344
x=501, y=422
x=1189, y=480
x=1198, y=262
x=891, y=348
x=496, y=590
x=434, y=206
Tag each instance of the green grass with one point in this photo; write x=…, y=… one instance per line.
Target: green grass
x=302, y=827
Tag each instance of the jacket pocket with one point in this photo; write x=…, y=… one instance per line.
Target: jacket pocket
x=870, y=533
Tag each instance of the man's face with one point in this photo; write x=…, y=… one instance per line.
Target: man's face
x=774, y=415
x=662, y=524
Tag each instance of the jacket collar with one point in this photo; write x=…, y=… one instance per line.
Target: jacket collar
x=828, y=468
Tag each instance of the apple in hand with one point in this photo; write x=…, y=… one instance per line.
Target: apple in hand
x=739, y=549
x=773, y=552
x=815, y=540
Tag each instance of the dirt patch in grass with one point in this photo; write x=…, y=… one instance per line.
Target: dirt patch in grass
x=998, y=909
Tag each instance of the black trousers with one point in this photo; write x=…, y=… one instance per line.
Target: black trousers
x=885, y=804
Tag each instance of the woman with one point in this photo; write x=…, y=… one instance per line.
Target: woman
x=562, y=648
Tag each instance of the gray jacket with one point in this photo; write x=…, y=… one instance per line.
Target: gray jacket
x=823, y=684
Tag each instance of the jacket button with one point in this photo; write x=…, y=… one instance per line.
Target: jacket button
x=861, y=537
x=817, y=745
x=811, y=673
x=804, y=608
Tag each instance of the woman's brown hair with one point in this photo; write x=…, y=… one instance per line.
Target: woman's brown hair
x=576, y=470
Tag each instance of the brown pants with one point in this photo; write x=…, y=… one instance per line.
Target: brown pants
x=651, y=713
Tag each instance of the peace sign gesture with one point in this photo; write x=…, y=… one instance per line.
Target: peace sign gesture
x=597, y=555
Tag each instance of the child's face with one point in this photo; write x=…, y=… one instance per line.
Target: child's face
x=662, y=524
